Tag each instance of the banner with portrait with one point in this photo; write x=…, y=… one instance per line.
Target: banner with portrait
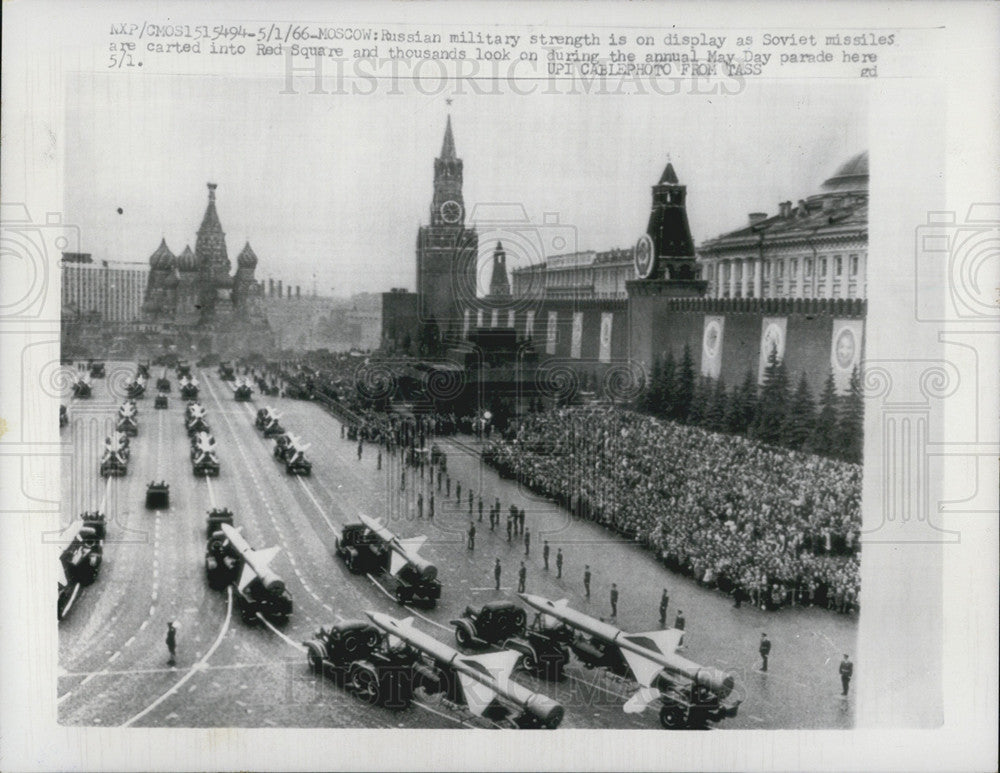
x=845, y=350
x=479, y=318
x=772, y=338
x=711, y=346
x=529, y=324
x=607, y=320
x=576, y=341
x=551, y=332
x=510, y=318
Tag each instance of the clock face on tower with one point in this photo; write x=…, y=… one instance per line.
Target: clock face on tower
x=451, y=212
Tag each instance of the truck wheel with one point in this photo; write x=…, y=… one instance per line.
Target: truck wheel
x=520, y=621
x=364, y=681
x=527, y=662
x=673, y=717
x=315, y=662
x=462, y=636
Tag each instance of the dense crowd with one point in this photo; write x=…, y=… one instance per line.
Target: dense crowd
x=769, y=525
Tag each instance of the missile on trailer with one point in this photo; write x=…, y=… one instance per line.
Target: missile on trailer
x=405, y=549
x=645, y=653
x=482, y=677
x=255, y=562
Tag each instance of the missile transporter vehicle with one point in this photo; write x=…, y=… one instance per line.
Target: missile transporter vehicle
x=404, y=574
x=97, y=370
x=222, y=563
x=356, y=655
x=226, y=372
x=504, y=624
x=160, y=401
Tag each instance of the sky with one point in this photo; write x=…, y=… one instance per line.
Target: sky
x=330, y=189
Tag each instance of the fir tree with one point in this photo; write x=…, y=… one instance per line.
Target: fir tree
x=700, y=399
x=665, y=393
x=852, y=419
x=742, y=406
x=683, y=387
x=715, y=416
x=773, y=406
x=801, y=417
x=824, y=434
x=651, y=397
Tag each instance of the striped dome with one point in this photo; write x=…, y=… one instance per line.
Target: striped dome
x=163, y=258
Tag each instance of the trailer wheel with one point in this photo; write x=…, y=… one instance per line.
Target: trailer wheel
x=672, y=716
x=528, y=662
x=520, y=621
x=462, y=636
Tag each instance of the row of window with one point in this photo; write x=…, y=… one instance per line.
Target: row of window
x=725, y=268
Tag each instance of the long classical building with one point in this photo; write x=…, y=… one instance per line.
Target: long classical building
x=105, y=291
x=815, y=249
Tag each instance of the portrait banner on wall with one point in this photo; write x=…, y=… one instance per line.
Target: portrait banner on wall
x=607, y=320
x=529, y=324
x=711, y=346
x=479, y=318
x=772, y=338
x=510, y=318
x=550, y=333
x=577, y=339
x=494, y=322
x=845, y=350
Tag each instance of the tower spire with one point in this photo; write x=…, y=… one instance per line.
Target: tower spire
x=448, y=146
x=499, y=284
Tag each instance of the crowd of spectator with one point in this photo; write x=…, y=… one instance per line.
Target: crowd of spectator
x=770, y=526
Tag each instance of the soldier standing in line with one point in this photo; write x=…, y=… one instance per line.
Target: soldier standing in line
x=472, y=536
x=522, y=574
x=439, y=480
x=470, y=502
x=510, y=526
x=545, y=554
x=765, y=650
x=559, y=562
x=481, y=509
x=172, y=644
x=496, y=572
x=402, y=480
x=447, y=485
x=614, y=600
x=520, y=518
x=378, y=460
x=679, y=621
x=527, y=542
x=361, y=446
x=420, y=505
x=586, y=579
x=846, y=672
x=664, y=601
x=430, y=507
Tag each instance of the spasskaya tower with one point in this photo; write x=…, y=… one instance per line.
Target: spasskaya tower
x=447, y=251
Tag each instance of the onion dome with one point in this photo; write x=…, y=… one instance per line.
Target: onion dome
x=163, y=258
x=247, y=258
x=851, y=176
x=186, y=260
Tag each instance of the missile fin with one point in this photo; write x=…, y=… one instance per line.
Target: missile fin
x=246, y=577
x=496, y=665
x=641, y=700
x=478, y=696
x=664, y=641
x=412, y=544
x=396, y=562
x=644, y=669
x=266, y=555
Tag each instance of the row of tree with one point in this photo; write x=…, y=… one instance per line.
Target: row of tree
x=772, y=412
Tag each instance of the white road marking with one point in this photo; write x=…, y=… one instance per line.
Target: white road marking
x=144, y=624
x=130, y=640
x=115, y=657
x=191, y=671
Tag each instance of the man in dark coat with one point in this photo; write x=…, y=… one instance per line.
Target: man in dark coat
x=679, y=621
x=765, y=650
x=472, y=536
x=614, y=600
x=846, y=672
x=586, y=579
x=559, y=562
x=545, y=554
x=496, y=572
x=172, y=643
x=527, y=542
x=522, y=574
x=664, y=601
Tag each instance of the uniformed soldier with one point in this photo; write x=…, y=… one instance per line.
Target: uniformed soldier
x=447, y=485
x=458, y=492
x=472, y=536
x=545, y=554
x=402, y=480
x=430, y=506
x=846, y=672
x=481, y=509
x=496, y=572
x=439, y=480
x=527, y=542
x=664, y=601
x=586, y=579
x=765, y=650
x=172, y=644
x=378, y=460
x=522, y=573
x=679, y=621
x=470, y=502
x=614, y=600
x=420, y=505
x=559, y=562
x=361, y=445
x=510, y=526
